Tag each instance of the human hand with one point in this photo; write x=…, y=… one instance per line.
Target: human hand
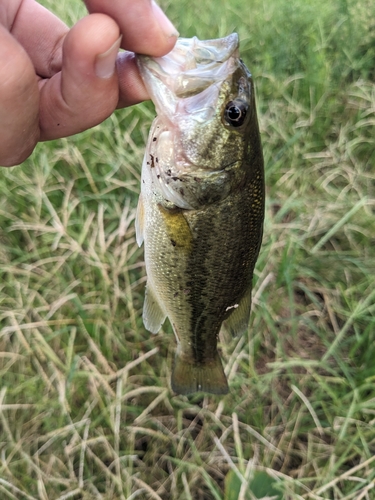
x=56, y=82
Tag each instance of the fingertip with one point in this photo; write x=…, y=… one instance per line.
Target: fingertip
x=90, y=37
x=132, y=88
x=86, y=92
x=165, y=24
x=144, y=26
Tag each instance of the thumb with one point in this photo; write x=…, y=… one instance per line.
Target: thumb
x=85, y=92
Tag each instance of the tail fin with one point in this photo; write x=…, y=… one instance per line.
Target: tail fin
x=189, y=377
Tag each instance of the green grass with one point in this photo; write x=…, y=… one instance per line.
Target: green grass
x=85, y=406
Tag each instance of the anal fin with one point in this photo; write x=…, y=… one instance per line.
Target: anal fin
x=238, y=321
x=153, y=314
x=189, y=377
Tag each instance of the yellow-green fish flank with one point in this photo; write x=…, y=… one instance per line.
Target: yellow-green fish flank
x=201, y=209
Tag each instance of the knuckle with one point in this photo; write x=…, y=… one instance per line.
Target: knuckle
x=18, y=74
x=11, y=158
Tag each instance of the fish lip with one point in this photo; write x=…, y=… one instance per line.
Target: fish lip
x=192, y=50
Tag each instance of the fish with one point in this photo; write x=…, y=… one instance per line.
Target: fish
x=201, y=208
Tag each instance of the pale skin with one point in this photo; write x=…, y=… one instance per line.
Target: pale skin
x=56, y=81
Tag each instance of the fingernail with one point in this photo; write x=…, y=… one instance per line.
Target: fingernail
x=165, y=24
x=105, y=63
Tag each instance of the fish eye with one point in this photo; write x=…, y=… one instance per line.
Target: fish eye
x=235, y=112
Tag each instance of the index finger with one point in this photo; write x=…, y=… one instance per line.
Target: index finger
x=144, y=26
x=41, y=34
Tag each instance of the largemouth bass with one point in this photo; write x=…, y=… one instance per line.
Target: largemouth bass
x=201, y=208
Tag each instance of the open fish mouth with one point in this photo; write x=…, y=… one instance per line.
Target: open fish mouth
x=190, y=68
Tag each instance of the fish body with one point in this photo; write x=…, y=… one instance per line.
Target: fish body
x=201, y=208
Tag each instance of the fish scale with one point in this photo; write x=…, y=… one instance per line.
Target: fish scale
x=201, y=209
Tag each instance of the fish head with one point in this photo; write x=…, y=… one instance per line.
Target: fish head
x=204, y=98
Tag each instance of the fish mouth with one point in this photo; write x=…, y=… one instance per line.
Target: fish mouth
x=191, y=67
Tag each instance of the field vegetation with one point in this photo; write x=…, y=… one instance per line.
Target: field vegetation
x=86, y=411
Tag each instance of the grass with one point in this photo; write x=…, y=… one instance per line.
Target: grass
x=85, y=406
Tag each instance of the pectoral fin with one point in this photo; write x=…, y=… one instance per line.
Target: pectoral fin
x=238, y=321
x=153, y=314
x=139, y=221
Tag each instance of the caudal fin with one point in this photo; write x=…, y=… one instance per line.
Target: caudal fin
x=189, y=377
